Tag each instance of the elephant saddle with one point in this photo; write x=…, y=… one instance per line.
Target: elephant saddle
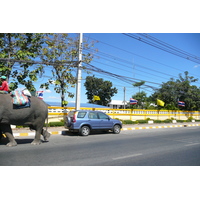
x=19, y=99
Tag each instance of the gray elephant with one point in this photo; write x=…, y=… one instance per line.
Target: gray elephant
x=33, y=116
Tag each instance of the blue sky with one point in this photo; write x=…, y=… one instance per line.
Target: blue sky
x=128, y=57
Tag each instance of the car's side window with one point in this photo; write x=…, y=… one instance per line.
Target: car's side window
x=92, y=115
x=81, y=114
x=103, y=116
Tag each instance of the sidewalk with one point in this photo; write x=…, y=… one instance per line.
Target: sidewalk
x=17, y=132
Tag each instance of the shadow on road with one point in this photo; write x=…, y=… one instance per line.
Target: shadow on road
x=4, y=141
x=72, y=134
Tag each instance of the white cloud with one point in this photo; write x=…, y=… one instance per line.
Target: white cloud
x=196, y=66
x=47, y=91
x=53, y=97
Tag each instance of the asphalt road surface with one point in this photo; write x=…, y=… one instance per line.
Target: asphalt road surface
x=152, y=147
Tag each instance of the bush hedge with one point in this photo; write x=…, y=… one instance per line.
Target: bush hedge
x=54, y=124
x=61, y=123
x=158, y=121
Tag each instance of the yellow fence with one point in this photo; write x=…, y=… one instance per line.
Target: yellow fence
x=57, y=113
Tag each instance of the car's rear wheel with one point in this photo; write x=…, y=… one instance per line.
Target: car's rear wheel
x=84, y=131
x=116, y=129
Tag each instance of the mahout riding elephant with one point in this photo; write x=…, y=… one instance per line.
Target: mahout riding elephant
x=33, y=116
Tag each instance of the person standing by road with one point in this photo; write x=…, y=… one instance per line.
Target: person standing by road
x=4, y=88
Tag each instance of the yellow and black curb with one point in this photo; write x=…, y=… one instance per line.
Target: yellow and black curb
x=33, y=134
x=123, y=129
x=154, y=127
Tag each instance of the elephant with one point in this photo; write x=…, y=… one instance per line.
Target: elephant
x=33, y=116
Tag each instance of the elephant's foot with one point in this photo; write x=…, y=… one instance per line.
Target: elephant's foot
x=36, y=142
x=12, y=144
x=46, y=135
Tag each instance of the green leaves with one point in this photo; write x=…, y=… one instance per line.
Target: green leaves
x=180, y=90
x=101, y=88
x=20, y=46
x=62, y=50
x=55, y=48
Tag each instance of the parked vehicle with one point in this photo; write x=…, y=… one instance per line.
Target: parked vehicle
x=85, y=121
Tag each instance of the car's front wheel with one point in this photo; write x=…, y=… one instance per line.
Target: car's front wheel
x=116, y=129
x=84, y=131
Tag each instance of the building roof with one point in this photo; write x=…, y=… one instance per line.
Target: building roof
x=117, y=102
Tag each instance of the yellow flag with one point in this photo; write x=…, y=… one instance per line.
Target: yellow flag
x=96, y=98
x=160, y=102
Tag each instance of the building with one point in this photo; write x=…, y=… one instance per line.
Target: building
x=117, y=104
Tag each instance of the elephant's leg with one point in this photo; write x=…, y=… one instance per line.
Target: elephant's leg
x=46, y=134
x=6, y=129
x=38, y=131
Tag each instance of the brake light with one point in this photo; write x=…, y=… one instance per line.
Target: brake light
x=74, y=118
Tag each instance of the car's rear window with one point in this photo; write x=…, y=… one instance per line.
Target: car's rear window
x=81, y=114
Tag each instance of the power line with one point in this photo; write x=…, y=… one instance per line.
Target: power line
x=123, y=78
x=140, y=66
x=137, y=55
x=168, y=45
x=137, y=65
x=167, y=48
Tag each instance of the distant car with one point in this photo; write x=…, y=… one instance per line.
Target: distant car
x=85, y=121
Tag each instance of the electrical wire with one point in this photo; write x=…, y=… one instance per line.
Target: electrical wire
x=135, y=64
x=165, y=48
x=103, y=55
x=168, y=45
x=129, y=52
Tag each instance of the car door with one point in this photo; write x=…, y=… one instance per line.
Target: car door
x=105, y=121
x=94, y=120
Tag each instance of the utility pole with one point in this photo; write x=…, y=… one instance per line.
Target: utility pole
x=124, y=97
x=78, y=84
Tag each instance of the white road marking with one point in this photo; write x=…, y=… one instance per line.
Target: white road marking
x=192, y=144
x=128, y=156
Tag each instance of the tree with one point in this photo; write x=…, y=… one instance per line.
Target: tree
x=62, y=50
x=179, y=90
x=24, y=47
x=138, y=84
x=99, y=87
x=142, y=100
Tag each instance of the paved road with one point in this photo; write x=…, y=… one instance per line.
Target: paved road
x=151, y=147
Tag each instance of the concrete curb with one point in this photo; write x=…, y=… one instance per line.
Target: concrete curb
x=33, y=133
x=153, y=127
x=138, y=127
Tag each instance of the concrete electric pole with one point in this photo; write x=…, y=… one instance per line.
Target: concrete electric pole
x=124, y=97
x=78, y=84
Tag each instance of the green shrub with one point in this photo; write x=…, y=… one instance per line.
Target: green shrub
x=180, y=120
x=148, y=119
x=128, y=122
x=54, y=124
x=167, y=121
x=189, y=119
x=22, y=126
x=142, y=121
x=157, y=121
